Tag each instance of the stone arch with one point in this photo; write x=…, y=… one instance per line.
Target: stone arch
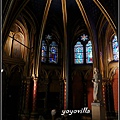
x=6, y=69
x=87, y=74
x=14, y=92
x=54, y=89
x=112, y=72
x=112, y=90
x=77, y=72
x=19, y=67
x=54, y=78
x=43, y=75
x=54, y=72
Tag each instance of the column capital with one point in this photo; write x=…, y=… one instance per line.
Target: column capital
x=35, y=79
x=105, y=79
x=27, y=79
x=64, y=80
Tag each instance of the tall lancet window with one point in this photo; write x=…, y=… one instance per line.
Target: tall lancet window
x=115, y=48
x=44, y=51
x=78, y=53
x=83, y=50
x=89, y=52
x=49, y=50
x=53, y=52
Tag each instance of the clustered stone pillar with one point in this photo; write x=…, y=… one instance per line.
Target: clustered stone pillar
x=110, y=101
x=65, y=95
x=25, y=115
x=34, y=111
x=103, y=93
x=28, y=81
x=61, y=94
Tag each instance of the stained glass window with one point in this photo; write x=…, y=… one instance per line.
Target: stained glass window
x=115, y=48
x=83, y=50
x=53, y=52
x=44, y=51
x=84, y=37
x=78, y=53
x=89, y=52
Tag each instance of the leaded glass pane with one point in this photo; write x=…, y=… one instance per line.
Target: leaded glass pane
x=89, y=52
x=53, y=52
x=43, y=52
x=115, y=48
x=78, y=53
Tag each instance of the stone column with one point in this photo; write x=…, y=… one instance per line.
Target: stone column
x=61, y=94
x=28, y=81
x=34, y=111
x=103, y=93
x=109, y=100
x=65, y=98
x=25, y=114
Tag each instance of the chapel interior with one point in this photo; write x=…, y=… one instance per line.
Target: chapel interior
x=49, y=51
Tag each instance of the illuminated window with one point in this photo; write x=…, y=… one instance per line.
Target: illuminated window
x=49, y=50
x=89, y=52
x=115, y=48
x=83, y=50
x=44, y=51
x=53, y=52
x=78, y=53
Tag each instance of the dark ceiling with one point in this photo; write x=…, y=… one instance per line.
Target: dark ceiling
x=75, y=19
x=55, y=17
x=38, y=6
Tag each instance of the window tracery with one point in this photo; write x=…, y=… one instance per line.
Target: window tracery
x=83, y=50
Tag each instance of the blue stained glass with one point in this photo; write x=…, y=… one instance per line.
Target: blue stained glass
x=115, y=48
x=78, y=53
x=78, y=61
x=44, y=51
x=89, y=52
x=53, y=52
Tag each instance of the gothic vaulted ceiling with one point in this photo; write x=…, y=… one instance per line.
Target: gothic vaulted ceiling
x=76, y=11
x=73, y=16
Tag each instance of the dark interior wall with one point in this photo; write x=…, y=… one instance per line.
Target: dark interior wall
x=4, y=92
x=89, y=89
x=12, y=90
x=82, y=90
x=54, y=92
x=78, y=93
x=13, y=95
